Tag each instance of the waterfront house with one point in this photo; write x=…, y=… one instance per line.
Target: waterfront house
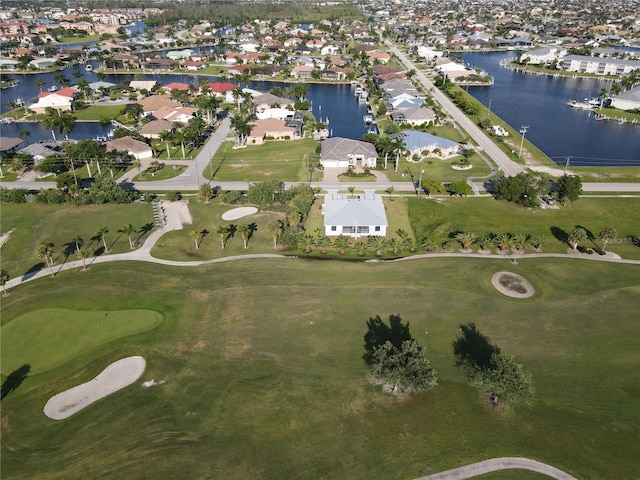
x=341, y=152
x=154, y=102
x=193, y=65
x=359, y=216
x=301, y=71
x=414, y=116
x=41, y=63
x=175, y=86
x=264, y=101
x=180, y=54
x=270, y=129
x=419, y=142
x=9, y=144
x=8, y=64
x=139, y=150
x=60, y=100
x=175, y=114
x=159, y=64
x=629, y=100
x=147, y=85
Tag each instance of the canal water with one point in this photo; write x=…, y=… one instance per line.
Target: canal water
x=337, y=103
x=539, y=102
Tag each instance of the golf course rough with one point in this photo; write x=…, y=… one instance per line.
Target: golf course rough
x=47, y=338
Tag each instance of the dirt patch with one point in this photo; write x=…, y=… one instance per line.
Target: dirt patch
x=512, y=285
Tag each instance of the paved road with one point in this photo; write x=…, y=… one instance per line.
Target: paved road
x=495, y=464
x=508, y=166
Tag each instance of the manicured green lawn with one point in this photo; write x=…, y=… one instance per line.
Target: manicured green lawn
x=437, y=169
x=264, y=375
x=440, y=218
x=99, y=112
x=47, y=338
x=37, y=223
x=284, y=161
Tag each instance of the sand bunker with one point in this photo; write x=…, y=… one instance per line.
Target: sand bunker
x=239, y=212
x=512, y=285
x=113, y=378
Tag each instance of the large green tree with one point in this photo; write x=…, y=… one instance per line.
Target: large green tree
x=403, y=370
x=505, y=384
x=569, y=187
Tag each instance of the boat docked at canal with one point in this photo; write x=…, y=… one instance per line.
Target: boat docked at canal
x=581, y=105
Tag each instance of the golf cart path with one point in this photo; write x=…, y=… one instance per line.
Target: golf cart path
x=496, y=464
x=143, y=254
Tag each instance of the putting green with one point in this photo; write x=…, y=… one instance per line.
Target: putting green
x=48, y=338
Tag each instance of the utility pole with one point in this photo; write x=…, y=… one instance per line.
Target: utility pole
x=420, y=180
x=523, y=131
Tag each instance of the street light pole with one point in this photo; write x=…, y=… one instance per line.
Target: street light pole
x=523, y=131
x=420, y=181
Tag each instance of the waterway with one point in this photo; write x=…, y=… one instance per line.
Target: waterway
x=337, y=103
x=539, y=102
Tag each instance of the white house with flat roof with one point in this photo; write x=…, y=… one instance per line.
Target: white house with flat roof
x=354, y=216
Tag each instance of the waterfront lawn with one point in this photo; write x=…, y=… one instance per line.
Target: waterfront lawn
x=36, y=223
x=282, y=160
x=442, y=218
x=619, y=114
x=100, y=113
x=264, y=374
x=79, y=38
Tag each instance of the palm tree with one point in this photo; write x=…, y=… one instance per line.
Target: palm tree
x=607, y=234
x=223, y=234
x=102, y=233
x=324, y=243
x=45, y=252
x=410, y=244
x=341, y=243
x=395, y=244
x=24, y=134
x=385, y=145
x=165, y=136
x=78, y=242
x=351, y=190
x=485, y=242
x=128, y=230
x=502, y=241
x=245, y=231
x=576, y=236
x=307, y=243
x=4, y=278
x=39, y=83
x=536, y=242
x=83, y=254
x=378, y=244
x=179, y=138
x=360, y=246
x=197, y=238
x=429, y=244
x=50, y=124
x=519, y=241
x=65, y=123
x=61, y=79
x=274, y=228
x=466, y=239
x=206, y=192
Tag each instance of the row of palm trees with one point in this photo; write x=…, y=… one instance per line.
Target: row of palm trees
x=503, y=241
x=46, y=249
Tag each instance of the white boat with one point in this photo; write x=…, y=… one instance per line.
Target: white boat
x=88, y=67
x=53, y=88
x=358, y=90
x=580, y=105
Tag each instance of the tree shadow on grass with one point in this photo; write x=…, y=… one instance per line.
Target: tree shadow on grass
x=14, y=380
x=146, y=228
x=379, y=332
x=472, y=349
x=560, y=235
